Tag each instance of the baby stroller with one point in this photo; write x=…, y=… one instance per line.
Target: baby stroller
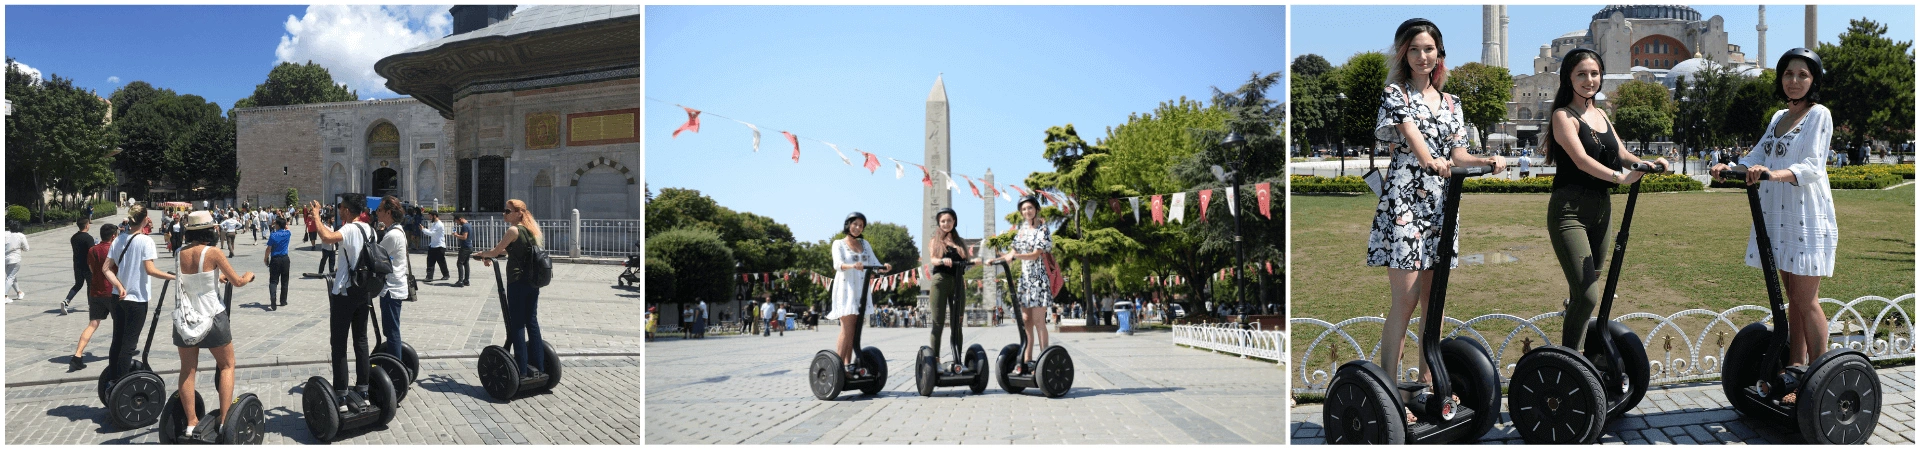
x=631, y=277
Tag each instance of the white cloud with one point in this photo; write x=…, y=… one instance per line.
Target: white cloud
x=113, y=80
x=29, y=70
x=348, y=39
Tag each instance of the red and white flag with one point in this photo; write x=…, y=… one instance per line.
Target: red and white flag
x=795, y=140
x=693, y=122
x=1206, y=196
x=1159, y=216
x=1265, y=193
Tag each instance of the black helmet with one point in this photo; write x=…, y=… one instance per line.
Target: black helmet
x=1035, y=199
x=1813, y=65
x=846, y=226
x=936, y=214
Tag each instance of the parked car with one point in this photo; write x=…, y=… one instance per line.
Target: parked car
x=1178, y=311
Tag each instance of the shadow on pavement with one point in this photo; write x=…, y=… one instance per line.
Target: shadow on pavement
x=290, y=424
x=77, y=413
x=1089, y=392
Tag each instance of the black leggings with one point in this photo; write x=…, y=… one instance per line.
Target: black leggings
x=277, y=277
x=348, y=311
x=128, y=318
x=948, y=304
x=326, y=261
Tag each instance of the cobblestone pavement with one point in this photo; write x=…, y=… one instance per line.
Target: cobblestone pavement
x=1137, y=389
x=586, y=319
x=1688, y=414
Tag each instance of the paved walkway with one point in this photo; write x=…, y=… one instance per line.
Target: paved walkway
x=593, y=325
x=1137, y=389
x=1687, y=414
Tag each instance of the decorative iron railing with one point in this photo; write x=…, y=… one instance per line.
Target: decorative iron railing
x=1231, y=338
x=1685, y=346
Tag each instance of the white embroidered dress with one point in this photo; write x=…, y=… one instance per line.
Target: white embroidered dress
x=848, y=284
x=1799, y=216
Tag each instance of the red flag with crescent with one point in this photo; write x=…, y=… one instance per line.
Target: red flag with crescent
x=1159, y=214
x=1265, y=192
x=1206, y=196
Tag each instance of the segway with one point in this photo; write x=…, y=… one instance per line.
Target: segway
x=1052, y=373
x=372, y=405
x=402, y=369
x=1839, y=394
x=1363, y=404
x=828, y=375
x=972, y=373
x=1559, y=395
x=246, y=425
x=499, y=374
x=134, y=400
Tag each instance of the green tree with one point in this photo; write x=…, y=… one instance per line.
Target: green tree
x=1869, y=84
x=1642, y=123
x=298, y=84
x=1258, y=120
x=1751, y=107
x=699, y=262
x=1642, y=93
x=1484, y=92
x=1362, y=79
x=1702, y=110
x=57, y=138
x=1312, y=99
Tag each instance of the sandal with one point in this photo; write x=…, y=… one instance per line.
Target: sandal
x=1790, y=399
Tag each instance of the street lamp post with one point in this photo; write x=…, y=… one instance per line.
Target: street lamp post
x=1339, y=106
x=1238, y=144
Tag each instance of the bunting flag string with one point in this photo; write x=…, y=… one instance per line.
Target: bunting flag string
x=693, y=122
x=791, y=139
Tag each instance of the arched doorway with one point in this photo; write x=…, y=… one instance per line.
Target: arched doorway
x=602, y=194
x=386, y=181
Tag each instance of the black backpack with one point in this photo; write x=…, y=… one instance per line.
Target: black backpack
x=371, y=267
x=538, y=269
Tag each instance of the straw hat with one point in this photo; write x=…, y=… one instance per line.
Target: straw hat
x=199, y=220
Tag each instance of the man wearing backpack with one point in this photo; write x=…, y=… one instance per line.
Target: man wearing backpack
x=351, y=287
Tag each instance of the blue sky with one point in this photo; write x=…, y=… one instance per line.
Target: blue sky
x=859, y=77
x=216, y=52
x=1337, y=32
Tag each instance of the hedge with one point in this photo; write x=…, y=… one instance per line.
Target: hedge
x=1869, y=176
x=1535, y=185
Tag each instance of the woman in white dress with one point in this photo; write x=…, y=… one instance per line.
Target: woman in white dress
x=851, y=256
x=1796, y=202
x=1031, y=242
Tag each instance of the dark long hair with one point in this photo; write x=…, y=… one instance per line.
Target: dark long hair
x=1563, y=96
x=949, y=237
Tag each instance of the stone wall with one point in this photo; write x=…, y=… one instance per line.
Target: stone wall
x=323, y=148
x=555, y=173
x=277, y=148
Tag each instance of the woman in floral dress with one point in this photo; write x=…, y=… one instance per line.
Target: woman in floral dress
x=1031, y=242
x=1427, y=132
x=1797, y=202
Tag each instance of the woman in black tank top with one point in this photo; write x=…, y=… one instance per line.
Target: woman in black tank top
x=948, y=303
x=1579, y=208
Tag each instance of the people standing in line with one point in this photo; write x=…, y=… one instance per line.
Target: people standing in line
x=392, y=239
x=1797, y=200
x=130, y=270
x=81, y=241
x=948, y=302
x=348, y=304
x=851, y=256
x=99, y=293
x=523, y=297
x=16, y=252
x=1427, y=132
x=1032, y=242
x=201, y=273
x=436, y=246
x=278, y=242
x=464, y=235
x=1578, y=210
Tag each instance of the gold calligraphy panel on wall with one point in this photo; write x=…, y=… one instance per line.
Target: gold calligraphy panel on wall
x=543, y=131
x=604, y=127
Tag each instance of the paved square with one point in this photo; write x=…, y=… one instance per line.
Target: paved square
x=1695, y=413
x=1137, y=389
x=594, y=326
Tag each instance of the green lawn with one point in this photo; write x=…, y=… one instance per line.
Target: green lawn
x=1686, y=252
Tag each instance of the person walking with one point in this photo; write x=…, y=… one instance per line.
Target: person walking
x=766, y=316
x=278, y=242
x=436, y=246
x=312, y=230
x=701, y=324
x=81, y=242
x=523, y=296
x=99, y=293
x=16, y=251
x=464, y=236
x=130, y=271
x=229, y=228
x=201, y=272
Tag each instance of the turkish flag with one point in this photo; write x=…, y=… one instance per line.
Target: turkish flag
x=872, y=164
x=1158, y=214
x=791, y=139
x=1264, y=191
x=1206, y=196
x=693, y=122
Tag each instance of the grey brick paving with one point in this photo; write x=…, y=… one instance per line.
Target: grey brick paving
x=1659, y=419
x=1137, y=389
x=595, y=326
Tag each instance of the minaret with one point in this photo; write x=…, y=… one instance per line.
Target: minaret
x=938, y=153
x=1505, y=45
x=1813, y=27
x=1490, y=35
x=1762, y=28
x=988, y=273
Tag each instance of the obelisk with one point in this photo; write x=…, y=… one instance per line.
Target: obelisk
x=939, y=146
x=988, y=273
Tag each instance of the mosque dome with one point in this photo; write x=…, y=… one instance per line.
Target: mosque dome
x=1680, y=12
x=1690, y=66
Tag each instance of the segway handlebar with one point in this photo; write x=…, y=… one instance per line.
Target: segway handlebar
x=1463, y=171
x=1738, y=172
x=1648, y=167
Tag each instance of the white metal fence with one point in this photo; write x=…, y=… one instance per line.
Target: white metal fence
x=1230, y=338
x=1882, y=329
x=592, y=238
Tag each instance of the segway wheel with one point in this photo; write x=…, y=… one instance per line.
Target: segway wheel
x=1054, y=372
x=923, y=371
x=173, y=419
x=1009, y=357
x=1474, y=379
x=106, y=383
x=1555, y=398
x=977, y=362
x=246, y=422
x=553, y=365
x=383, y=397
x=321, y=408
x=1633, y=354
x=1749, y=345
x=395, y=371
x=1360, y=409
x=497, y=373
x=876, y=364
x=825, y=375
x=1840, y=401
x=411, y=360
x=136, y=400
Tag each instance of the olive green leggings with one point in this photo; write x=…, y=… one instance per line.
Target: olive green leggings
x=947, y=299
x=1577, y=221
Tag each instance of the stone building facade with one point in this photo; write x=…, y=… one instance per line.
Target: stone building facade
x=377, y=147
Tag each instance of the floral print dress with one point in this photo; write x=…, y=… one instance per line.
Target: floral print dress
x=1035, y=290
x=1799, y=215
x=1406, y=223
